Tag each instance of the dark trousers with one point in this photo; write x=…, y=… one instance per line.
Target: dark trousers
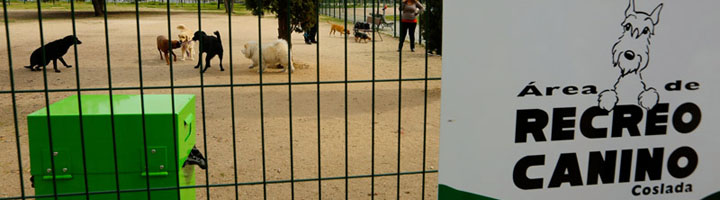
x=406, y=27
x=311, y=34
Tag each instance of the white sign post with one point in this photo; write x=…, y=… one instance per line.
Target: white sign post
x=561, y=99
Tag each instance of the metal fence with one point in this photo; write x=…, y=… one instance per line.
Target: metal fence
x=337, y=9
x=331, y=8
x=160, y=1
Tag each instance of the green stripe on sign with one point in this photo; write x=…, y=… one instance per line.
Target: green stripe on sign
x=715, y=196
x=449, y=193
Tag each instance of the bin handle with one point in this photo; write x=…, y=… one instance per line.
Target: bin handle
x=188, y=122
x=58, y=177
x=155, y=174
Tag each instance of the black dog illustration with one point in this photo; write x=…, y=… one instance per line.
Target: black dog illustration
x=631, y=54
x=211, y=46
x=53, y=51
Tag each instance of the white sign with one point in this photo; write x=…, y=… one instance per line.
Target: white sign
x=561, y=99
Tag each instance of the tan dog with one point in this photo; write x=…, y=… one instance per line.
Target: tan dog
x=164, y=48
x=185, y=37
x=339, y=29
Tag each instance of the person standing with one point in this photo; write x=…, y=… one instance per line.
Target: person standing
x=409, y=10
x=311, y=34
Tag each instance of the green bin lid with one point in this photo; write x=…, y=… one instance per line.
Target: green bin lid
x=122, y=105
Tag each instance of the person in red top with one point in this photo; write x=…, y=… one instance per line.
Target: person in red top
x=409, y=10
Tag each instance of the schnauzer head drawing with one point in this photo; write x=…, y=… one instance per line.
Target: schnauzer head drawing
x=632, y=50
x=631, y=54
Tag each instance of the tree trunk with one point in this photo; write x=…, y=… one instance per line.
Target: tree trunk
x=98, y=7
x=229, y=4
x=283, y=21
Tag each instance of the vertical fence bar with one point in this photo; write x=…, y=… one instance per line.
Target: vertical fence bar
x=202, y=101
x=289, y=70
x=262, y=105
x=346, y=106
x=354, y=9
x=424, y=160
x=14, y=102
x=112, y=107
x=372, y=118
x=47, y=101
x=346, y=100
x=332, y=7
x=232, y=104
x=419, y=26
x=399, y=127
x=317, y=76
x=172, y=100
x=142, y=99
x=80, y=113
x=396, y=8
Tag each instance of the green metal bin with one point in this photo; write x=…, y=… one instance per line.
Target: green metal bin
x=68, y=154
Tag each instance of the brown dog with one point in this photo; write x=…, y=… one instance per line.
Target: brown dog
x=164, y=48
x=338, y=28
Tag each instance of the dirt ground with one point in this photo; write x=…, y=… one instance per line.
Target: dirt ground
x=124, y=62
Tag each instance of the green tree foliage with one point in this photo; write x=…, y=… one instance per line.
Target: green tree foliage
x=300, y=13
x=432, y=30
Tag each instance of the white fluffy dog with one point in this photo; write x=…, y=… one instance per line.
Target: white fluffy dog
x=273, y=53
x=185, y=37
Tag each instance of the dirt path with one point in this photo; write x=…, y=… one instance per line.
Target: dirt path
x=124, y=63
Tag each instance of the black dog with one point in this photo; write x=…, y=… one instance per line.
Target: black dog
x=360, y=36
x=53, y=51
x=211, y=46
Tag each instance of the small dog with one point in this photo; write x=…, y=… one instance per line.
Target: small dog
x=166, y=48
x=188, y=44
x=339, y=29
x=273, y=54
x=211, y=46
x=630, y=54
x=53, y=51
x=360, y=36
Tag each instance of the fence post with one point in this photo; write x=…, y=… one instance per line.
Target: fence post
x=354, y=14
